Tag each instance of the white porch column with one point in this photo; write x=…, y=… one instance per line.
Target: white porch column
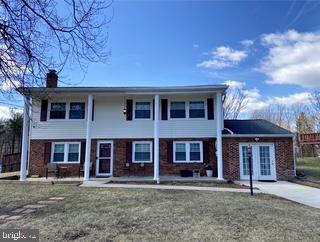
x=88, y=139
x=25, y=139
x=156, y=138
x=219, y=135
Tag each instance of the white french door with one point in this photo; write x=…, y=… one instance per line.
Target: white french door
x=263, y=161
x=104, y=166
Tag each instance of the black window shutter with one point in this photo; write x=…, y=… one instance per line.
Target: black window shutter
x=170, y=151
x=210, y=108
x=129, y=109
x=128, y=152
x=83, y=152
x=47, y=153
x=92, y=110
x=153, y=109
x=44, y=110
x=164, y=109
x=206, y=152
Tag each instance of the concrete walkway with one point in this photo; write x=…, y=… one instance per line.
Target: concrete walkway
x=298, y=193
x=163, y=187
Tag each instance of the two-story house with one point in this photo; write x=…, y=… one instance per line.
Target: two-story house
x=147, y=131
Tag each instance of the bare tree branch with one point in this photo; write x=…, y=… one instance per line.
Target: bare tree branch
x=38, y=35
x=234, y=103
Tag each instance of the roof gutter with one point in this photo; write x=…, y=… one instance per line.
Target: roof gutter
x=127, y=90
x=257, y=135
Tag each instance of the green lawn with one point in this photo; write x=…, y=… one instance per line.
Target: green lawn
x=309, y=167
x=91, y=214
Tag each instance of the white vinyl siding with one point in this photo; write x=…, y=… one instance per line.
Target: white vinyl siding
x=110, y=122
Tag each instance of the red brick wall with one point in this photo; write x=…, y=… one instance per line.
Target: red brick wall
x=119, y=164
x=283, y=152
x=173, y=169
x=37, y=160
x=37, y=165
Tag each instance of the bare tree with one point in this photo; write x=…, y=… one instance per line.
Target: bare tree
x=285, y=116
x=316, y=107
x=37, y=35
x=234, y=103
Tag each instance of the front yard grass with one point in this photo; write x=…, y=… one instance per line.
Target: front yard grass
x=91, y=214
x=308, y=172
x=309, y=167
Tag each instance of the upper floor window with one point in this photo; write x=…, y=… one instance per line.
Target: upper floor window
x=142, y=110
x=177, y=110
x=58, y=111
x=66, y=152
x=77, y=111
x=142, y=151
x=196, y=110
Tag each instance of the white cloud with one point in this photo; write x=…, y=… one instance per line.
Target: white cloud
x=247, y=42
x=7, y=85
x=293, y=99
x=293, y=58
x=4, y=112
x=235, y=84
x=224, y=57
x=195, y=46
x=255, y=102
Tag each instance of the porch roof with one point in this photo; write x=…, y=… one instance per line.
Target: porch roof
x=254, y=128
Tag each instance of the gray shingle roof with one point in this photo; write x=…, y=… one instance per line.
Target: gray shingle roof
x=254, y=127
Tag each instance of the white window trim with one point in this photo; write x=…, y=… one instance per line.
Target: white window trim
x=134, y=151
x=66, y=151
x=187, y=151
x=143, y=101
x=187, y=108
x=68, y=111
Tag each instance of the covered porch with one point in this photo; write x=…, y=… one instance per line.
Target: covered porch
x=132, y=130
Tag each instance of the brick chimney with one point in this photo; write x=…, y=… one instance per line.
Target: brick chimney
x=52, y=79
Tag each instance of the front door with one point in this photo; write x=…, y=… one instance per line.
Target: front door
x=104, y=165
x=263, y=161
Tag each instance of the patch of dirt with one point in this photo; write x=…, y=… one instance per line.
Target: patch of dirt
x=307, y=181
x=75, y=234
x=228, y=184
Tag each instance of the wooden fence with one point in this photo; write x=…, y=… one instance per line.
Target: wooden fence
x=11, y=162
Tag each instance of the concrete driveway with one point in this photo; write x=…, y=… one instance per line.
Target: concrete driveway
x=302, y=194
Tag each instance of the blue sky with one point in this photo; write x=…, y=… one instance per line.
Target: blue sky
x=162, y=43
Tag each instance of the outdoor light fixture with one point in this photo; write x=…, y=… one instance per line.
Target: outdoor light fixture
x=124, y=111
x=256, y=139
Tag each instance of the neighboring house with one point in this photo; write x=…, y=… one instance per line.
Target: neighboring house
x=149, y=131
